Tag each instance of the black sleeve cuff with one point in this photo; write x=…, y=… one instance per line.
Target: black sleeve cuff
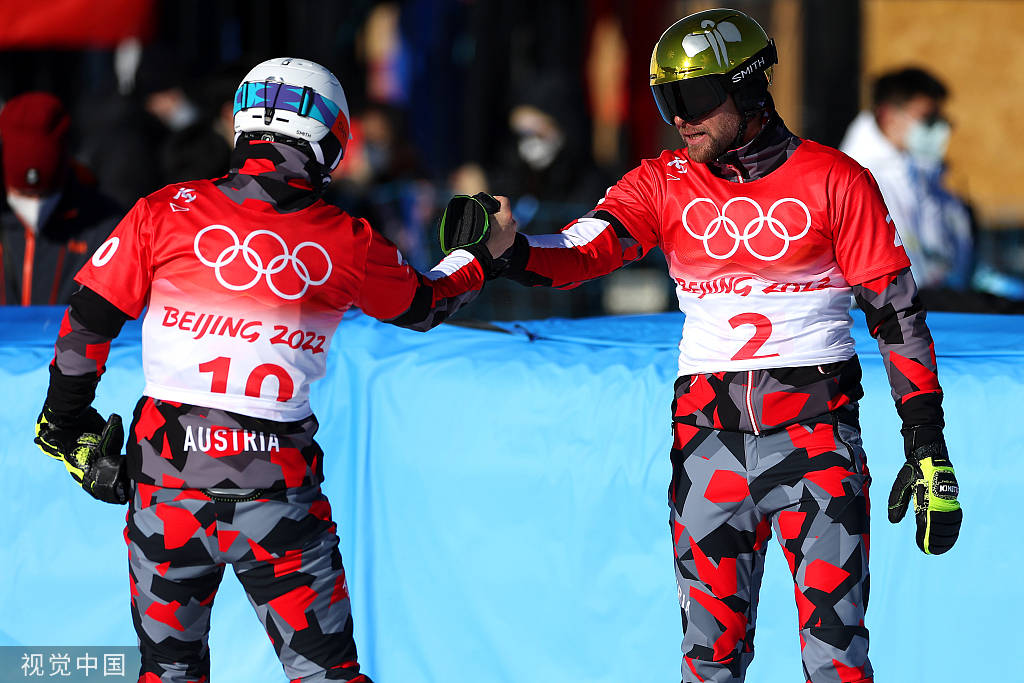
x=490, y=265
x=69, y=396
x=923, y=409
x=518, y=256
x=96, y=313
x=922, y=435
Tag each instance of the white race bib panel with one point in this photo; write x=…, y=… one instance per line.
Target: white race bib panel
x=763, y=269
x=242, y=303
x=766, y=324
x=255, y=361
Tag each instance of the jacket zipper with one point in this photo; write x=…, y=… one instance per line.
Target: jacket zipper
x=750, y=402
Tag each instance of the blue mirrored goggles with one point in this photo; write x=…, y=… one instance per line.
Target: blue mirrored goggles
x=272, y=96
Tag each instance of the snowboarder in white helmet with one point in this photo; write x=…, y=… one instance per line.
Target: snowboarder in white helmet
x=243, y=280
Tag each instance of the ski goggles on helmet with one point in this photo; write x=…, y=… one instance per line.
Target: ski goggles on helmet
x=689, y=99
x=300, y=100
x=693, y=98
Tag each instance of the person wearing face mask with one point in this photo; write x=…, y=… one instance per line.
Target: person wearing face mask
x=546, y=169
x=52, y=217
x=902, y=140
x=546, y=166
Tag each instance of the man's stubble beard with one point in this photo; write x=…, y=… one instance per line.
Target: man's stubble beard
x=708, y=150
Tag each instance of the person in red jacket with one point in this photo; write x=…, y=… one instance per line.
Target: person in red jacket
x=768, y=238
x=242, y=280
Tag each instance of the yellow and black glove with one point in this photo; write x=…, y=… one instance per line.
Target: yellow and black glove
x=90, y=450
x=928, y=476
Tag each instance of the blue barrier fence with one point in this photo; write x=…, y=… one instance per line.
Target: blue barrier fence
x=501, y=503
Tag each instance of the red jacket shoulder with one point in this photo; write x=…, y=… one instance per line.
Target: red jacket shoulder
x=831, y=156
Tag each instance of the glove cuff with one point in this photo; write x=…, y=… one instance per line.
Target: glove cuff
x=69, y=396
x=517, y=257
x=487, y=262
x=922, y=441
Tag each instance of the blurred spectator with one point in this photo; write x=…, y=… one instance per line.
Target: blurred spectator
x=202, y=149
x=548, y=160
x=197, y=151
x=902, y=141
x=53, y=218
x=383, y=181
x=124, y=135
x=549, y=174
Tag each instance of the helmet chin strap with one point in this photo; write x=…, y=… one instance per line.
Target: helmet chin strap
x=748, y=114
x=741, y=130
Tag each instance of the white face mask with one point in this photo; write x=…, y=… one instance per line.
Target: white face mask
x=927, y=143
x=181, y=117
x=539, y=152
x=33, y=211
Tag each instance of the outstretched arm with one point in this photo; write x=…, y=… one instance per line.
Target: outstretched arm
x=395, y=292
x=621, y=229
x=587, y=248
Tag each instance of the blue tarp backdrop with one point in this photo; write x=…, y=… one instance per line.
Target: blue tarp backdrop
x=501, y=500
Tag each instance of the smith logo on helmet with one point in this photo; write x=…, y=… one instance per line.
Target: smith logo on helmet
x=758, y=64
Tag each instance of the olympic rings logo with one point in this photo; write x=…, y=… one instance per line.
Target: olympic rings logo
x=753, y=227
x=253, y=259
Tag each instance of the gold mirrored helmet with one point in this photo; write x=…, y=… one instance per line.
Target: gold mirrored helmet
x=703, y=58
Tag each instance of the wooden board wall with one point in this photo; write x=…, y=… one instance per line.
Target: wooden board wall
x=974, y=46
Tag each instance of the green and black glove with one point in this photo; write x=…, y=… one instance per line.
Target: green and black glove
x=928, y=476
x=466, y=224
x=466, y=221
x=90, y=450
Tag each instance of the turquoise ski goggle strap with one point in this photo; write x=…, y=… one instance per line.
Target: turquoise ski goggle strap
x=466, y=221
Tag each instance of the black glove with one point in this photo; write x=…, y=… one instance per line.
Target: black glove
x=465, y=224
x=90, y=450
x=928, y=476
x=466, y=221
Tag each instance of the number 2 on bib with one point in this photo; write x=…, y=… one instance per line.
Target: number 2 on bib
x=762, y=330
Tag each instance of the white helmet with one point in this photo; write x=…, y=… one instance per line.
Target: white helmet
x=298, y=99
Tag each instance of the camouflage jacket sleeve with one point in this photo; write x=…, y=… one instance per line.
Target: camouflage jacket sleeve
x=80, y=353
x=896, y=320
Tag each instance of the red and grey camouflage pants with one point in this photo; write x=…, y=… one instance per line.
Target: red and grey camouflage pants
x=283, y=549
x=809, y=483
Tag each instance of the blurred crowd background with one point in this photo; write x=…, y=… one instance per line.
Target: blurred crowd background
x=546, y=102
